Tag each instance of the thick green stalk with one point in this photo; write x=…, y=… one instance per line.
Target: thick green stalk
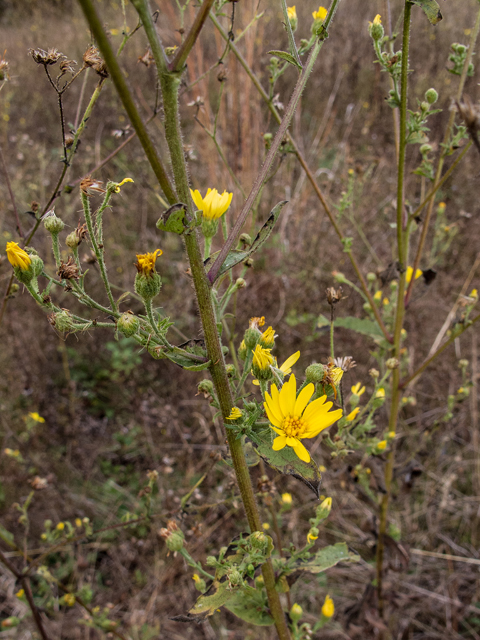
x=126, y=98
x=170, y=82
x=181, y=55
x=441, y=160
x=402, y=249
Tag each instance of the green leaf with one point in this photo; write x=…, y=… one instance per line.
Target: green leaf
x=218, y=595
x=287, y=462
x=173, y=219
x=251, y=605
x=286, y=56
x=7, y=537
x=235, y=256
x=360, y=325
x=431, y=9
x=321, y=560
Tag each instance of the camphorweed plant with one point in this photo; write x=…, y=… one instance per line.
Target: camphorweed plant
x=250, y=575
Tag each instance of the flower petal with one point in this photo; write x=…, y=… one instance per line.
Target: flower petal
x=288, y=396
x=303, y=398
x=322, y=422
x=271, y=416
x=301, y=452
x=274, y=410
x=276, y=401
x=279, y=443
x=289, y=362
x=197, y=199
x=313, y=407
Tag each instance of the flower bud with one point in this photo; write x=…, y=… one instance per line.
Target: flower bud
x=259, y=540
x=371, y=277
x=72, y=240
x=374, y=373
x=230, y=368
x=242, y=350
x=211, y=561
x=199, y=583
x=292, y=17
x=240, y=283
x=375, y=28
x=315, y=373
x=205, y=387
x=235, y=578
x=296, y=612
x=431, y=96
x=128, y=324
x=62, y=321
x=392, y=363
x=425, y=148
x=36, y=264
x=323, y=510
x=148, y=286
x=252, y=337
x=328, y=608
x=53, y=224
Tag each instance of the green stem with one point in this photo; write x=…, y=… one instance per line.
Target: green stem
x=291, y=38
x=181, y=56
x=443, y=153
x=402, y=248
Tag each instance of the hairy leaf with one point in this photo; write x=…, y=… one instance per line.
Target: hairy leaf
x=322, y=560
x=360, y=325
x=251, y=605
x=173, y=219
x=285, y=56
x=430, y=9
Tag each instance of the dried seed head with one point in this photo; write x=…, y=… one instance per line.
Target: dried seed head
x=345, y=363
x=470, y=113
x=147, y=59
x=222, y=75
x=4, y=68
x=334, y=295
x=52, y=56
x=91, y=187
x=69, y=140
x=92, y=58
x=68, y=270
x=68, y=66
x=34, y=206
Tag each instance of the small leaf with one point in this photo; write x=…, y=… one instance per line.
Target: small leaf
x=431, y=9
x=235, y=256
x=173, y=219
x=287, y=462
x=287, y=57
x=321, y=560
x=198, y=367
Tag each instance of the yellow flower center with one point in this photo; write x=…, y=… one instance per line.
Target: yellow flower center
x=294, y=426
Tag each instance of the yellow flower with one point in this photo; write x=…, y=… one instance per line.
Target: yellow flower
x=311, y=537
x=321, y=14
x=60, y=526
x=386, y=302
x=286, y=367
x=146, y=262
x=20, y=593
x=268, y=338
x=378, y=296
x=17, y=256
x=391, y=434
x=377, y=19
x=235, y=413
x=120, y=184
x=292, y=13
x=213, y=205
x=35, y=416
x=357, y=389
x=78, y=522
x=69, y=599
x=287, y=498
x=353, y=414
x=293, y=420
x=196, y=577
x=262, y=358
x=382, y=445
x=409, y=274
x=328, y=608
x=266, y=526
x=473, y=293
x=380, y=393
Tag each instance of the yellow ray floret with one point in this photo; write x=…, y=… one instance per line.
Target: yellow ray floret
x=146, y=261
x=321, y=14
x=213, y=205
x=17, y=256
x=293, y=419
x=262, y=358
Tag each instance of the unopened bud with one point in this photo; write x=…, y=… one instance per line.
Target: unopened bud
x=128, y=324
x=315, y=373
x=374, y=373
x=53, y=224
x=392, y=363
x=296, y=612
x=431, y=96
x=148, y=285
x=205, y=387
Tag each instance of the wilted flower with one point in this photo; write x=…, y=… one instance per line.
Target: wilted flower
x=68, y=270
x=146, y=262
x=91, y=187
x=147, y=59
x=46, y=58
x=293, y=418
x=235, y=413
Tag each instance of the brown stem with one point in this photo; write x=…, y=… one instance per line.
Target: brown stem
x=180, y=58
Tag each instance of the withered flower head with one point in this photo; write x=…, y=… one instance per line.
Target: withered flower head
x=222, y=75
x=34, y=206
x=68, y=66
x=147, y=59
x=3, y=68
x=345, y=363
x=171, y=528
x=470, y=114
x=256, y=322
x=334, y=295
x=68, y=270
x=91, y=187
x=37, y=483
x=52, y=56
x=92, y=58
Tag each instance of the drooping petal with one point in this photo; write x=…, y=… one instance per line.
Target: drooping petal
x=271, y=416
x=288, y=396
x=274, y=409
x=303, y=398
x=279, y=443
x=313, y=407
x=301, y=452
x=289, y=362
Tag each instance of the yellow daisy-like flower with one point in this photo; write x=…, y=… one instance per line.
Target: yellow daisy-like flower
x=378, y=296
x=409, y=274
x=287, y=498
x=380, y=393
x=293, y=420
x=292, y=13
x=17, y=256
x=328, y=608
x=35, y=416
x=321, y=14
x=213, y=205
x=382, y=445
x=146, y=262
x=353, y=414
x=235, y=413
